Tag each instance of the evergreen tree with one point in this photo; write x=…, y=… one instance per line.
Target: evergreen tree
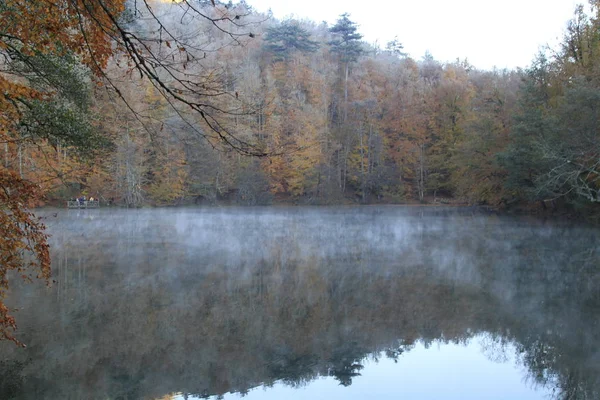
x=346, y=42
x=395, y=48
x=288, y=38
x=523, y=159
x=555, y=147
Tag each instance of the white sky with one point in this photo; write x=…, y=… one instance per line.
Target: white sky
x=505, y=34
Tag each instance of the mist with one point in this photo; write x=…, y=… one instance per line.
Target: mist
x=210, y=301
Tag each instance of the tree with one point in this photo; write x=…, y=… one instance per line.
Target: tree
x=43, y=44
x=395, y=48
x=348, y=48
x=42, y=97
x=288, y=38
x=346, y=39
x=574, y=158
x=346, y=44
x=23, y=246
x=477, y=175
x=556, y=152
x=555, y=149
x=451, y=99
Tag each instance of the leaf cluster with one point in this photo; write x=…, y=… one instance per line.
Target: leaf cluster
x=23, y=245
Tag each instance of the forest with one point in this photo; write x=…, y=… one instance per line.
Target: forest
x=201, y=103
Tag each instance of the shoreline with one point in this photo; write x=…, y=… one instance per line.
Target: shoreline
x=563, y=216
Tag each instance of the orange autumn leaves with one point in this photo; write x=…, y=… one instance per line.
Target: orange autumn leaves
x=84, y=28
x=23, y=246
x=51, y=27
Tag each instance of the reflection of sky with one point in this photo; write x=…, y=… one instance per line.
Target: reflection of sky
x=443, y=371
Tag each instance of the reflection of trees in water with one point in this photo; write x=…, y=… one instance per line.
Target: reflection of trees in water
x=11, y=379
x=173, y=313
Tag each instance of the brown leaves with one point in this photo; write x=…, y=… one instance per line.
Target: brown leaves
x=23, y=244
x=51, y=27
x=55, y=27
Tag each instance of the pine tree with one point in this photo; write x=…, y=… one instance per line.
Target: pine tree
x=288, y=38
x=346, y=42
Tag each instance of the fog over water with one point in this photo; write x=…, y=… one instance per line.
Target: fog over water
x=315, y=303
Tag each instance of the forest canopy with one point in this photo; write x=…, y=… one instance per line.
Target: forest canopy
x=153, y=102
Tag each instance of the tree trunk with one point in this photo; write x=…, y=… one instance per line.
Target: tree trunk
x=346, y=94
x=421, y=172
x=362, y=168
x=20, y=152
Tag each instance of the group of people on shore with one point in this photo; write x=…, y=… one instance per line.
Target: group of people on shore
x=82, y=199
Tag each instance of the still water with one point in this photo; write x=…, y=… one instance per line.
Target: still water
x=309, y=303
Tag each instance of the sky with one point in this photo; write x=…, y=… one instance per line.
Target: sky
x=502, y=34
x=442, y=371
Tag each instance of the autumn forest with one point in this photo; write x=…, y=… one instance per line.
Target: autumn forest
x=196, y=103
x=190, y=104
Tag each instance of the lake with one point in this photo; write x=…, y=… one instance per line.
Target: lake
x=308, y=303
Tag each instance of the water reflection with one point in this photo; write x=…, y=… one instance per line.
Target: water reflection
x=207, y=302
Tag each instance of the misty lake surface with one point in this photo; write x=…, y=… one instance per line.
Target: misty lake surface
x=308, y=303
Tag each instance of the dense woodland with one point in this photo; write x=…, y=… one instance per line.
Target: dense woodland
x=332, y=118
